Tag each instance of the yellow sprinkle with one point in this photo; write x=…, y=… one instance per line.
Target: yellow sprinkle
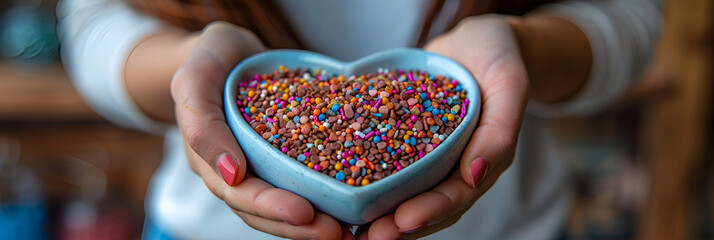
x=251, y=94
x=338, y=166
x=310, y=165
x=253, y=109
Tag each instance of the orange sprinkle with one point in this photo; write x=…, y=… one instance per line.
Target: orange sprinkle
x=409, y=149
x=316, y=112
x=365, y=181
x=322, y=128
x=351, y=181
x=354, y=168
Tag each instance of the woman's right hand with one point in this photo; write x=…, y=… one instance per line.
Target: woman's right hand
x=213, y=152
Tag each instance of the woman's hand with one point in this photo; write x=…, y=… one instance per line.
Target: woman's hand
x=486, y=46
x=213, y=152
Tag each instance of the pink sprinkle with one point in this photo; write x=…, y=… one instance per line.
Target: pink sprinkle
x=256, y=76
x=307, y=154
x=370, y=134
x=284, y=149
x=455, y=82
x=401, y=71
x=270, y=120
x=421, y=154
x=319, y=77
x=327, y=139
x=465, y=105
x=342, y=112
x=414, y=118
x=292, y=98
x=444, y=100
x=398, y=123
x=239, y=103
x=410, y=77
x=384, y=137
x=423, y=88
x=345, y=163
x=277, y=101
x=409, y=91
x=317, y=167
x=314, y=118
x=396, y=163
x=350, y=152
x=461, y=115
x=399, y=168
x=399, y=151
x=434, y=145
x=379, y=101
x=344, y=155
x=247, y=118
x=411, y=125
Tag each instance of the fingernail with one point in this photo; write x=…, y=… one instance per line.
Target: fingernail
x=414, y=229
x=478, y=169
x=228, y=166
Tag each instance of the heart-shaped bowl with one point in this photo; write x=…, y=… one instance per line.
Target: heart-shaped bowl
x=351, y=204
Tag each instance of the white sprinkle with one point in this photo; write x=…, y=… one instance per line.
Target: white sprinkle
x=320, y=147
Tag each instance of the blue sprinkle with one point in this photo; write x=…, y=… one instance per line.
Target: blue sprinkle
x=321, y=117
x=441, y=112
x=458, y=88
x=273, y=137
x=453, y=112
x=348, y=144
x=247, y=110
x=409, y=88
x=367, y=130
x=435, y=112
x=352, y=162
x=427, y=103
x=434, y=128
x=412, y=141
x=389, y=149
x=301, y=157
x=426, y=140
x=296, y=119
x=298, y=99
x=335, y=107
x=449, y=101
x=340, y=176
x=388, y=126
x=364, y=172
x=423, y=95
x=379, y=115
x=444, y=119
x=377, y=139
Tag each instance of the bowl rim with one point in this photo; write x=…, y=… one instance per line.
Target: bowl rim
x=233, y=116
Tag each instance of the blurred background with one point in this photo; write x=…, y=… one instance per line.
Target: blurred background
x=644, y=169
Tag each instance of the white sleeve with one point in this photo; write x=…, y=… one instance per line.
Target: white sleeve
x=96, y=38
x=622, y=35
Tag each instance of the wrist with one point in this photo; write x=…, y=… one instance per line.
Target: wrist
x=150, y=68
x=556, y=54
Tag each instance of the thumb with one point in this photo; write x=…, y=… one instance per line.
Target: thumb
x=197, y=92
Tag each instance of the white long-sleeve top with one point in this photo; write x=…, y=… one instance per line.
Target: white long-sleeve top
x=530, y=200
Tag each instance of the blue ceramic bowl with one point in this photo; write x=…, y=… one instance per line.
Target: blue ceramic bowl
x=354, y=205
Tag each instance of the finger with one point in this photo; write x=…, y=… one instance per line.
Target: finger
x=256, y=197
x=494, y=61
x=323, y=227
x=196, y=89
x=384, y=228
x=447, y=201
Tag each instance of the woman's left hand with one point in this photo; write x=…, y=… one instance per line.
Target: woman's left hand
x=486, y=46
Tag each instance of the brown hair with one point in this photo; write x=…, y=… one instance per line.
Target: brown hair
x=266, y=20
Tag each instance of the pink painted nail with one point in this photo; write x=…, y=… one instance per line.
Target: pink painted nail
x=478, y=169
x=414, y=229
x=228, y=166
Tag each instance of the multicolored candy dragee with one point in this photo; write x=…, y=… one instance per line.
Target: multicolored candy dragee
x=356, y=129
